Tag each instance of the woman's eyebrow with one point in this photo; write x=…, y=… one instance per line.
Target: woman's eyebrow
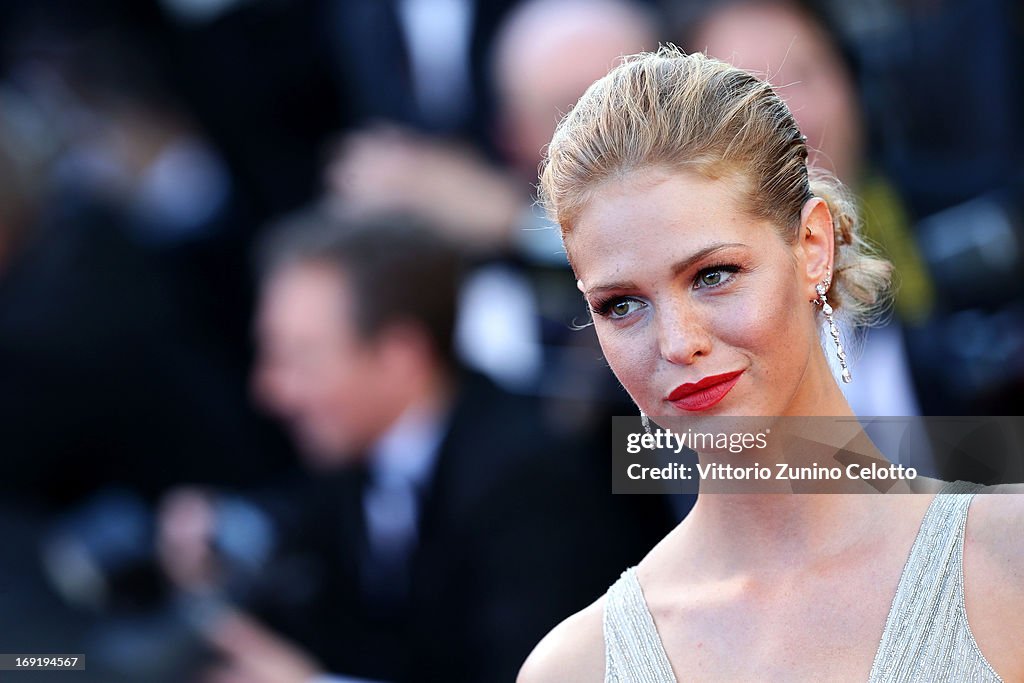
x=688, y=262
x=610, y=286
x=677, y=268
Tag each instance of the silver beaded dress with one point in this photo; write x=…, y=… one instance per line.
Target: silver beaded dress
x=926, y=635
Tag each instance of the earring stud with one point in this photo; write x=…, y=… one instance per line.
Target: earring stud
x=826, y=309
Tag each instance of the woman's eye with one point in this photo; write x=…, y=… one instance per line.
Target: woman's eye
x=711, y=279
x=620, y=308
x=714, y=277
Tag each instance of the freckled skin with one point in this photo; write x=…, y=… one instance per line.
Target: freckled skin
x=679, y=328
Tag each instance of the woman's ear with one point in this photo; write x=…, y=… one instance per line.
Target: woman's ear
x=817, y=243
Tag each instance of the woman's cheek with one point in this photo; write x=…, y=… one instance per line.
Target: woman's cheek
x=632, y=357
x=744, y=325
x=757, y=327
x=773, y=332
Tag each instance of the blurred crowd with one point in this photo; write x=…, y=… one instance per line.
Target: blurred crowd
x=295, y=381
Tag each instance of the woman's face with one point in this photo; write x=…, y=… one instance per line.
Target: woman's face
x=687, y=288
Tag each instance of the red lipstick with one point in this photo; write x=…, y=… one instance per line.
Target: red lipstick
x=705, y=393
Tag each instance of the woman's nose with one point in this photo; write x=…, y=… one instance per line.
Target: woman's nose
x=683, y=335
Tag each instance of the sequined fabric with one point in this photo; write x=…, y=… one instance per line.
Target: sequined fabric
x=633, y=650
x=926, y=635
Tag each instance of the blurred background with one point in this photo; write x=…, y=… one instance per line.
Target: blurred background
x=291, y=383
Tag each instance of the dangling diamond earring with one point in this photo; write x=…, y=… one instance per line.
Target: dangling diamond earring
x=645, y=421
x=833, y=329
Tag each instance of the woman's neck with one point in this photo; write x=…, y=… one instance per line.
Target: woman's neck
x=818, y=392
x=769, y=533
x=774, y=522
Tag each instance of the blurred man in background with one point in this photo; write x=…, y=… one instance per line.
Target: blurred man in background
x=442, y=527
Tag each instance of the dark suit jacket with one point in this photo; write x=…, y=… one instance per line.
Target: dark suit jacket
x=373, y=66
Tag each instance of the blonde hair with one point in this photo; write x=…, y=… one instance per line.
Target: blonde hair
x=694, y=113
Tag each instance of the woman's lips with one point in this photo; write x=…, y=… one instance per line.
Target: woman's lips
x=705, y=393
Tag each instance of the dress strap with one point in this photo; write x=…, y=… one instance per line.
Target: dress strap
x=926, y=634
x=633, y=649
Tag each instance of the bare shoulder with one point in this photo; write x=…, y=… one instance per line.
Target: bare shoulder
x=994, y=523
x=573, y=652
